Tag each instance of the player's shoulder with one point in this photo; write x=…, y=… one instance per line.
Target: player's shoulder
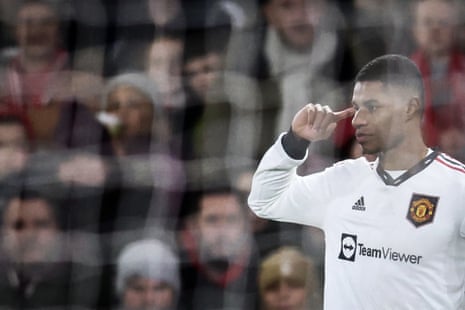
x=348, y=170
x=449, y=163
x=350, y=163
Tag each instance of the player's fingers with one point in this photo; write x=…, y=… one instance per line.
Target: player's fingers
x=311, y=113
x=328, y=119
x=320, y=114
x=340, y=115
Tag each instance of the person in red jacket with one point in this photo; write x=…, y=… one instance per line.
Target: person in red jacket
x=32, y=75
x=442, y=66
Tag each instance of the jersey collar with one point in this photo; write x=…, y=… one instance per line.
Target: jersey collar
x=422, y=164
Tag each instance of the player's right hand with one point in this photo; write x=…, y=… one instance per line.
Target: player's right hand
x=316, y=122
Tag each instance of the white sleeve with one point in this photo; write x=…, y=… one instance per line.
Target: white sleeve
x=278, y=193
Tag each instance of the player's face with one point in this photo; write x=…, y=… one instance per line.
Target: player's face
x=378, y=117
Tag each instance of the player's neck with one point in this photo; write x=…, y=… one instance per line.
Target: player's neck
x=405, y=155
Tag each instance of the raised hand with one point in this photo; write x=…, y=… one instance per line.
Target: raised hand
x=316, y=122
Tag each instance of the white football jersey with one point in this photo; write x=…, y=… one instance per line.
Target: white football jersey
x=390, y=243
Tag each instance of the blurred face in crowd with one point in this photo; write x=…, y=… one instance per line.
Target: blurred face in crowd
x=202, y=73
x=164, y=63
x=452, y=142
x=37, y=31
x=222, y=226
x=133, y=109
x=285, y=294
x=435, y=23
x=294, y=20
x=142, y=293
x=163, y=11
x=30, y=231
x=13, y=147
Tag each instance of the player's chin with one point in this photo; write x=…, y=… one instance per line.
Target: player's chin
x=368, y=149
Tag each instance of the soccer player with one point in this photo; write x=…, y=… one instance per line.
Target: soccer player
x=394, y=227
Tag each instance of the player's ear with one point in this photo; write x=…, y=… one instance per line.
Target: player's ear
x=413, y=108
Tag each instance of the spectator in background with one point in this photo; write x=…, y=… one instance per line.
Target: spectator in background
x=150, y=175
x=452, y=141
x=40, y=268
x=164, y=66
x=29, y=77
x=207, y=119
x=378, y=27
x=161, y=58
x=234, y=22
x=37, y=79
x=16, y=143
x=203, y=67
x=302, y=56
x=221, y=115
x=73, y=162
x=288, y=280
x=218, y=262
x=441, y=64
x=147, y=276
x=149, y=19
x=133, y=113
x=166, y=15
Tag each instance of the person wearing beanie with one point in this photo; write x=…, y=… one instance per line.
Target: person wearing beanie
x=287, y=279
x=131, y=110
x=149, y=172
x=148, y=276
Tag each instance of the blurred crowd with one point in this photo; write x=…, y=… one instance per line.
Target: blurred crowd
x=130, y=130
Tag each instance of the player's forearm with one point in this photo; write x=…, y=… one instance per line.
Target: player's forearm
x=270, y=186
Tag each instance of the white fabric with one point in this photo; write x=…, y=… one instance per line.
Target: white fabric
x=396, y=265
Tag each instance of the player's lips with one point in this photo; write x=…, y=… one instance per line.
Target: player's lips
x=362, y=137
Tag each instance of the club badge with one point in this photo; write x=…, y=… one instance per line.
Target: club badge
x=422, y=209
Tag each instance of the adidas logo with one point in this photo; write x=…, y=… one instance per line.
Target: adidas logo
x=359, y=204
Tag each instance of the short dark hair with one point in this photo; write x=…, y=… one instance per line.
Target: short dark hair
x=15, y=187
x=394, y=70
x=192, y=198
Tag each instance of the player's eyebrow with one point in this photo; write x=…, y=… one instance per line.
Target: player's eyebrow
x=369, y=102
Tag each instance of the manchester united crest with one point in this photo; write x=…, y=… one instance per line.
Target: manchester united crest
x=422, y=209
